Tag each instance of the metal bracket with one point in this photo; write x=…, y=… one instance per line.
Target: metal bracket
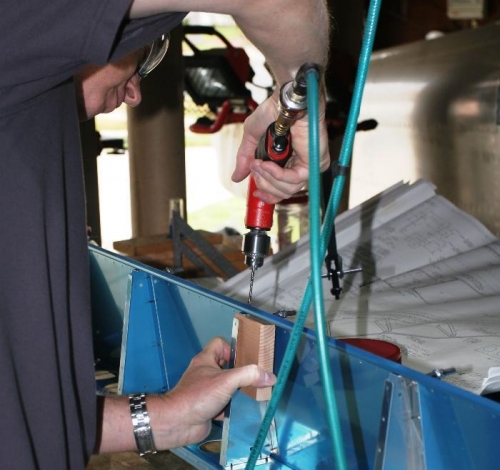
x=182, y=231
x=227, y=411
x=400, y=444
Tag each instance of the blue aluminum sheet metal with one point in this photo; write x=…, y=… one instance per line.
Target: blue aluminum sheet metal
x=149, y=324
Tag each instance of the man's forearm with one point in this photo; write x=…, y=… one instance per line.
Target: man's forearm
x=115, y=426
x=116, y=433
x=288, y=33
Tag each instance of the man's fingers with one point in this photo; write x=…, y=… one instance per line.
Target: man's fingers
x=276, y=183
x=250, y=376
x=244, y=157
x=216, y=352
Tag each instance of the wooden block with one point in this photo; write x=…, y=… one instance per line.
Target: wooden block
x=255, y=345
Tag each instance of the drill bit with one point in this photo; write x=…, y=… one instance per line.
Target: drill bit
x=252, y=277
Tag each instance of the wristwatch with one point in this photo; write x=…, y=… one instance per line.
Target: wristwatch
x=140, y=421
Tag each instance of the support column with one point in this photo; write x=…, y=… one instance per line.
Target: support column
x=156, y=144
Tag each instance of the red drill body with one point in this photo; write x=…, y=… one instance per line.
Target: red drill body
x=259, y=213
x=279, y=150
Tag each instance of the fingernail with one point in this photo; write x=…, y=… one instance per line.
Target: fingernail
x=269, y=378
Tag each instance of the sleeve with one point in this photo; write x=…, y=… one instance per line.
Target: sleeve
x=138, y=33
x=42, y=44
x=40, y=39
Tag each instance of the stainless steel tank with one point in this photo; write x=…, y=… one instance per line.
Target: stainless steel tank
x=437, y=107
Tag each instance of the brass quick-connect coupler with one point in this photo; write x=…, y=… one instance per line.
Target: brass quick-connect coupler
x=293, y=99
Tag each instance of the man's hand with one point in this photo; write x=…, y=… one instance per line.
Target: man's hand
x=183, y=416
x=276, y=183
x=201, y=395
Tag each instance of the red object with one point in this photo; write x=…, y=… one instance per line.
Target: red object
x=283, y=156
x=259, y=213
x=226, y=114
x=381, y=348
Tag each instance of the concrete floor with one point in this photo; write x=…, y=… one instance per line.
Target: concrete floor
x=131, y=460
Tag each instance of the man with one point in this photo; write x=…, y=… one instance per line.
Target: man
x=102, y=89
x=46, y=364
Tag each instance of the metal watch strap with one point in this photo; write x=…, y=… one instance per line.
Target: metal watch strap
x=140, y=421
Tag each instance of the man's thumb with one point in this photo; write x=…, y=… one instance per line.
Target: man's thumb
x=253, y=375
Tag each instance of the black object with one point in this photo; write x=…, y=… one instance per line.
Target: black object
x=213, y=76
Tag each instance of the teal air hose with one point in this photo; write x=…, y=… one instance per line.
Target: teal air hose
x=318, y=252
x=317, y=255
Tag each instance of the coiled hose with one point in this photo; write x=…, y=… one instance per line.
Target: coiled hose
x=318, y=244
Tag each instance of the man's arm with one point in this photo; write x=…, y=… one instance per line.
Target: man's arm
x=288, y=33
x=182, y=416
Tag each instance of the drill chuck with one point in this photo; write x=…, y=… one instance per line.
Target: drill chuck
x=256, y=245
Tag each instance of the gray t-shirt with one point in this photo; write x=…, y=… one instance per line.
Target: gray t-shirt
x=47, y=387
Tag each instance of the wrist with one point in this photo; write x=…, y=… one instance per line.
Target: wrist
x=141, y=424
x=171, y=422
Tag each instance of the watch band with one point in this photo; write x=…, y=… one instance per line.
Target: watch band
x=141, y=423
